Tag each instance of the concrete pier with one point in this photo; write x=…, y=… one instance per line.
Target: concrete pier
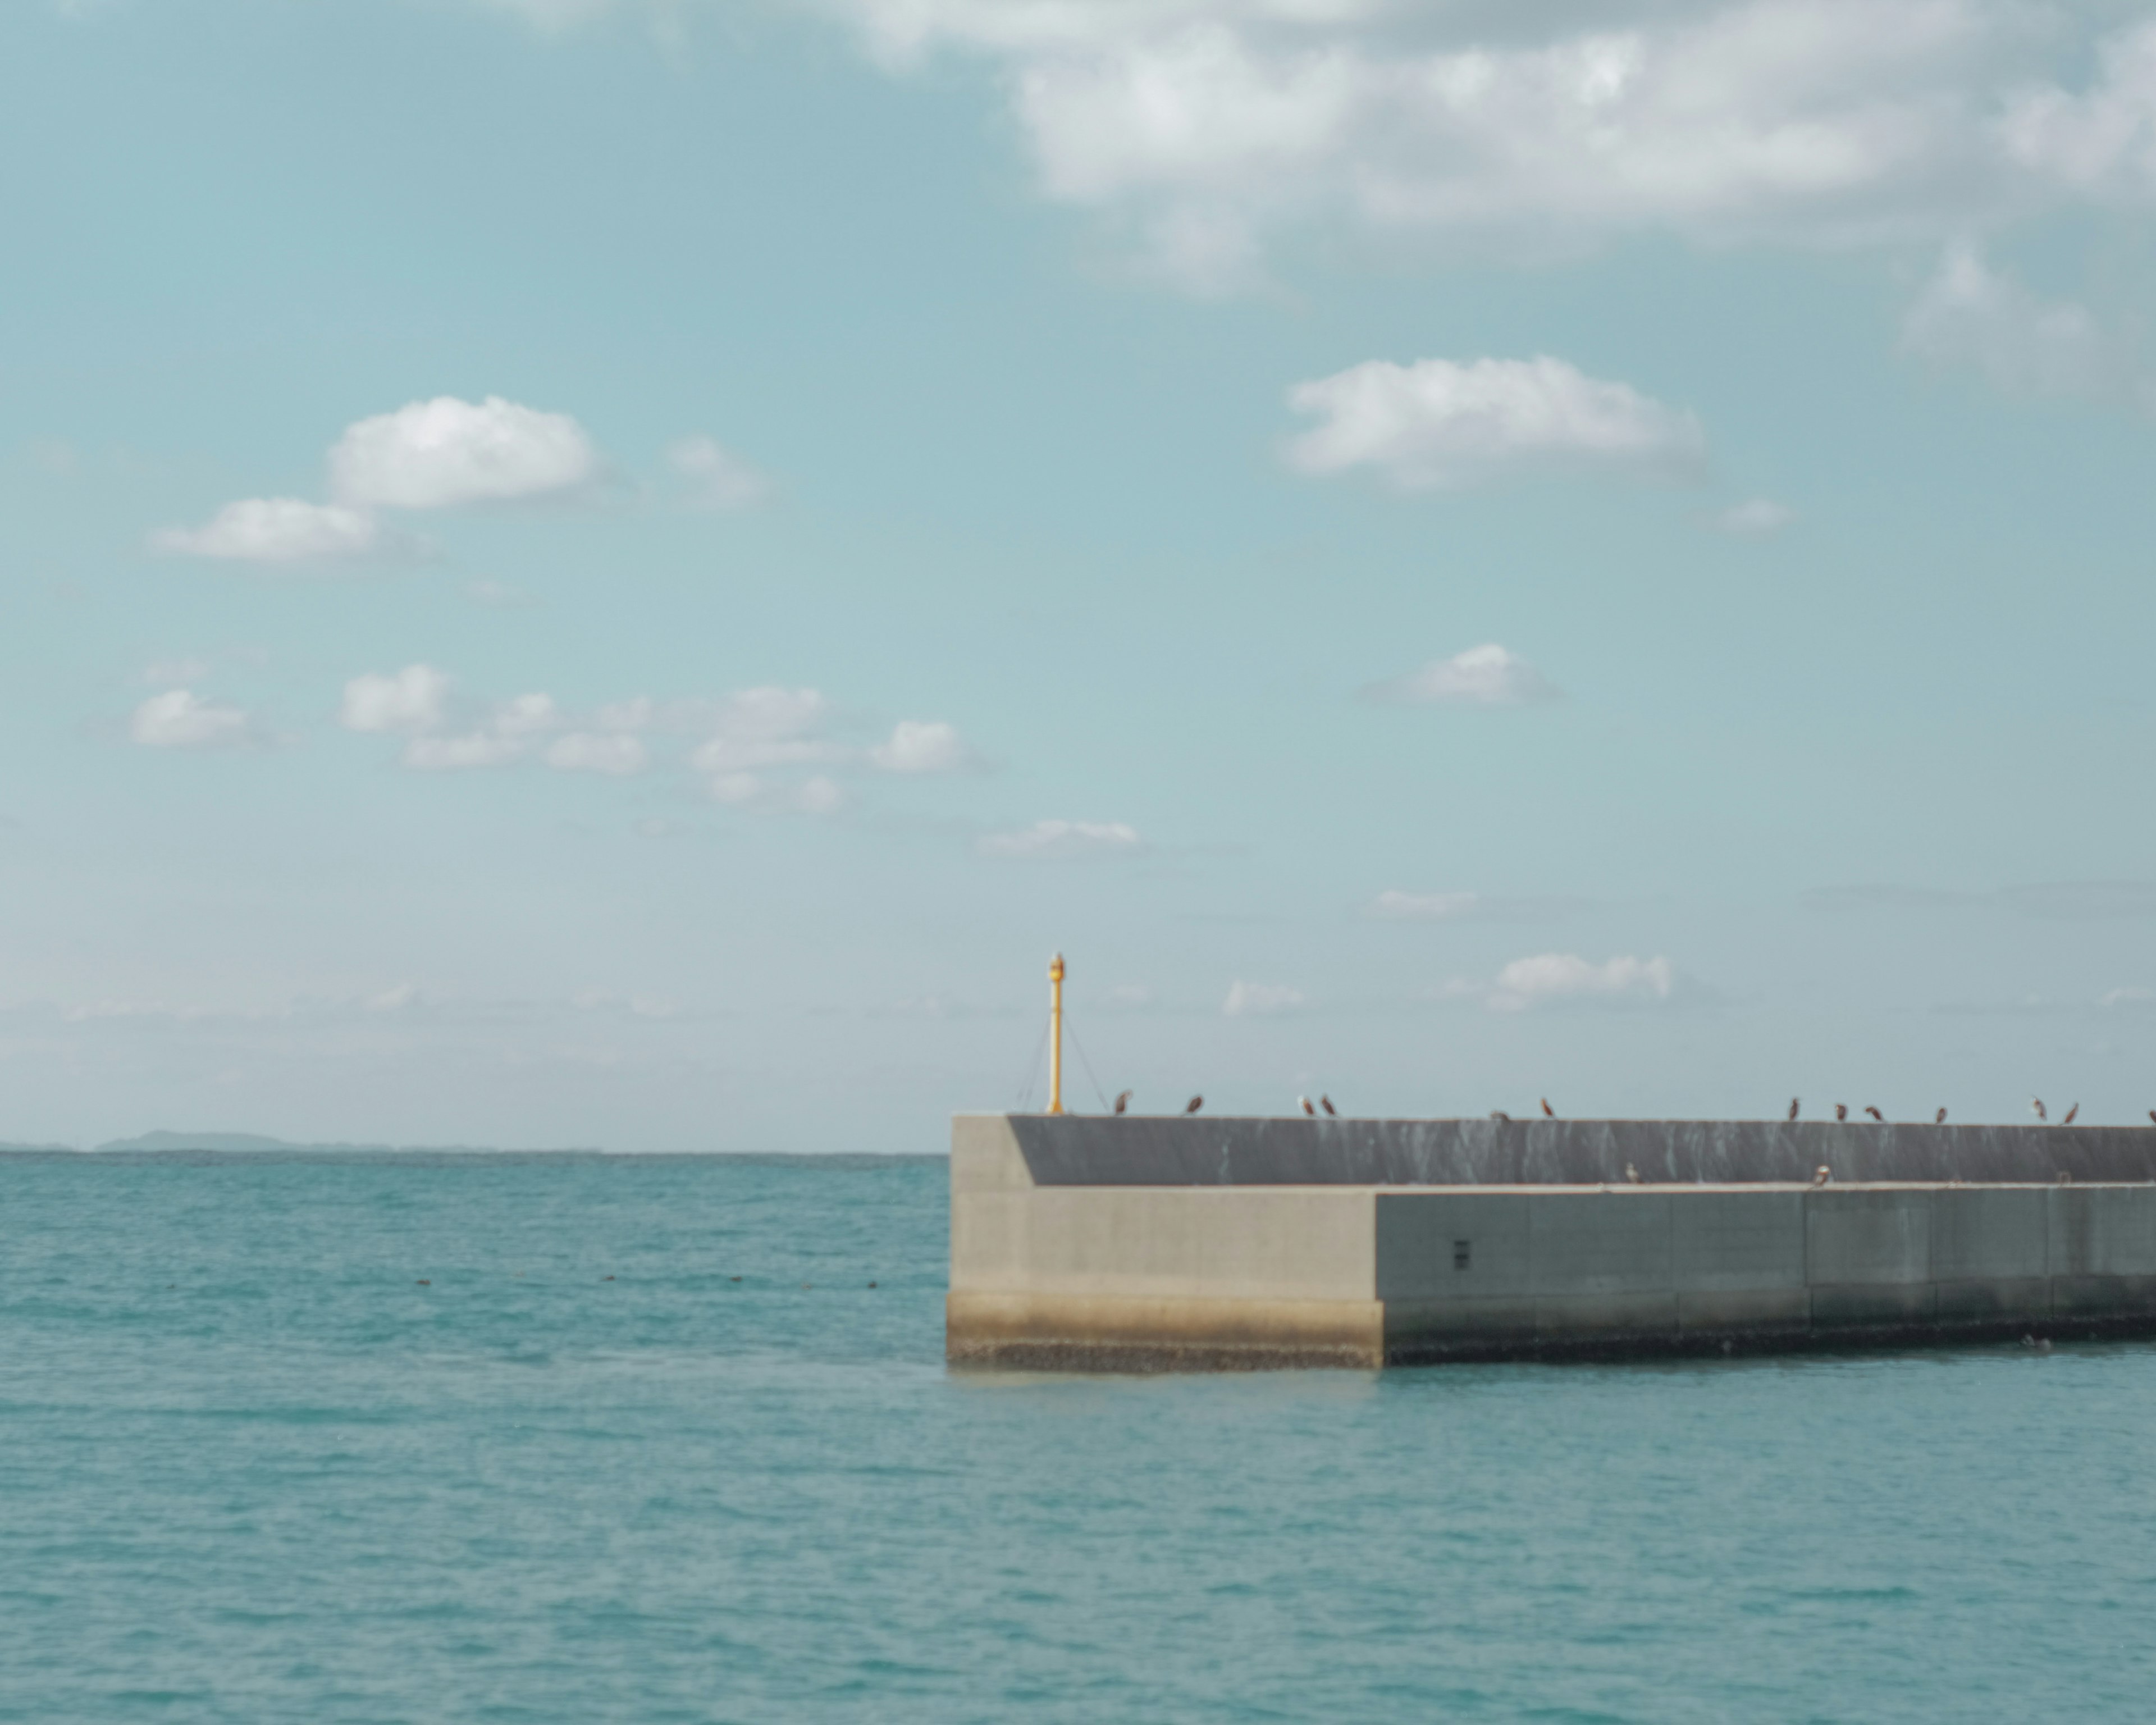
x=1154, y=1244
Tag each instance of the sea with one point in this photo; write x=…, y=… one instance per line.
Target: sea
x=561, y=1439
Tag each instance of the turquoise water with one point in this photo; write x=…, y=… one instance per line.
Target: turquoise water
x=252, y=1469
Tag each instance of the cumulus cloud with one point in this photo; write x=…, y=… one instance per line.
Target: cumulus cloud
x=411, y=700
x=1438, y=425
x=756, y=730
x=1055, y=840
x=286, y=531
x=1488, y=676
x=1261, y=999
x=180, y=719
x=919, y=746
x=1971, y=315
x=1756, y=519
x=713, y=477
x=1566, y=979
x=447, y=454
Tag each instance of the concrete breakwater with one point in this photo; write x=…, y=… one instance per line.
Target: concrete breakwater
x=1165, y=1244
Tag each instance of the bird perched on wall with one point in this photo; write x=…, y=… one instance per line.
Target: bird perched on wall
x=1548, y=1113
x=1500, y=1114
x=1326, y=1103
x=1793, y=1102
x=2065, y=1179
x=2152, y=1116
x=1822, y=1174
x=1841, y=1111
x=1193, y=1105
x=2037, y=1103
x=1631, y=1175
x=1122, y=1101
x=1876, y=1115
x=2071, y=1112
x=1307, y=1107
x=1939, y=1118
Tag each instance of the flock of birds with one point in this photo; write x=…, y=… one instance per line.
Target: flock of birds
x=1796, y=1106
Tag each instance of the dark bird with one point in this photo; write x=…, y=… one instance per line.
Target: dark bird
x=1841, y=1111
x=1326, y=1103
x=2071, y=1112
x=1548, y=1113
x=1306, y=1108
x=1193, y=1105
x=1876, y=1115
x=1822, y=1174
x=1123, y=1100
x=1631, y=1175
x=1939, y=1118
x=1793, y=1102
x=1500, y=1114
x=2037, y=1103
x=2152, y=1116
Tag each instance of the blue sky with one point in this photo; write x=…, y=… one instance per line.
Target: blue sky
x=606, y=573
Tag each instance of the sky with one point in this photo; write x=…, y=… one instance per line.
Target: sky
x=622, y=572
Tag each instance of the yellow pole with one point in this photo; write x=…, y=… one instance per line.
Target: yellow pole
x=1055, y=1034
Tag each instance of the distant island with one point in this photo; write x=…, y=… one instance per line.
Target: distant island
x=246, y=1143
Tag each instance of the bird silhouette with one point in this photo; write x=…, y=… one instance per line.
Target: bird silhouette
x=1326, y=1103
x=2071, y=1112
x=1876, y=1115
x=1793, y=1102
x=1822, y=1174
x=1123, y=1100
x=1548, y=1113
x=1306, y=1108
x=1193, y=1105
x=1500, y=1114
x=2152, y=1116
x=1631, y=1175
x=1939, y=1118
x=2037, y=1103
x=1841, y=1111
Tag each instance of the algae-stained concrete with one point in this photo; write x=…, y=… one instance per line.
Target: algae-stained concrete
x=1155, y=1244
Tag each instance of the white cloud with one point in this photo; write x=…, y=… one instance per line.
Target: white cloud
x=922, y=745
x=473, y=748
x=445, y=453
x=1261, y=999
x=1437, y=425
x=1488, y=676
x=1972, y=315
x=414, y=700
x=1565, y=978
x=610, y=751
x=180, y=719
x=716, y=478
x=2101, y=141
x=819, y=796
x=1055, y=840
x=1756, y=519
x=1424, y=906
x=736, y=789
x=284, y=531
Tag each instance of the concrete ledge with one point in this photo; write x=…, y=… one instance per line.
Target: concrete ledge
x=1061, y=1331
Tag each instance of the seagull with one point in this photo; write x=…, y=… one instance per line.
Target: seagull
x=1939, y=1118
x=1822, y=1174
x=1193, y=1105
x=2071, y=1112
x=1548, y=1113
x=1841, y=1111
x=1122, y=1101
x=2037, y=1103
x=1306, y=1108
x=1876, y=1115
x=1631, y=1174
x=1326, y=1103
x=1500, y=1114
x=1793, y=1102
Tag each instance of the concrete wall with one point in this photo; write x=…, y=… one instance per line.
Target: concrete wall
x=1212, y=1274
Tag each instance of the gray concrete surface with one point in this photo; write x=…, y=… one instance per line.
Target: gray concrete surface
x=1267, y=1254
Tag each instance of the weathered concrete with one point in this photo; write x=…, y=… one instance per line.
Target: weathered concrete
x=1272, y=1244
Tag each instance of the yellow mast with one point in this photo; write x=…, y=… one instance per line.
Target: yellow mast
x=1055, y=1034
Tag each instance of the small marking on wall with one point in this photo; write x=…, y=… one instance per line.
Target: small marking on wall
x=1462, y=1251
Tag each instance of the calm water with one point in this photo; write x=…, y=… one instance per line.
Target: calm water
x=252, y=1469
